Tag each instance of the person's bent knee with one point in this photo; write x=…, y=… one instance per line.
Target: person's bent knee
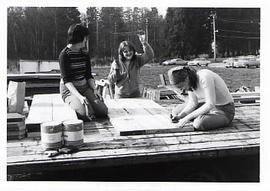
x=198, y=123
x=76, y=105
x=79, y=108
x=81, y=112
x=101, y=110
x=205, y=122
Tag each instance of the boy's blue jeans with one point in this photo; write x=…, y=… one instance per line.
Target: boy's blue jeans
x=95, y=107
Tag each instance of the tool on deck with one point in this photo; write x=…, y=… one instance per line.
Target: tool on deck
x=64, y=150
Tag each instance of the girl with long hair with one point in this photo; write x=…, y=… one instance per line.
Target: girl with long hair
x=210, y=104
x=125, y=72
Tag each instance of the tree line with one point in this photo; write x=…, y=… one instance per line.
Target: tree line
x=40, y=33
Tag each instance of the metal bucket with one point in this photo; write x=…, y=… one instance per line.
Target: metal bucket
x=73, y=133
x=51, y=134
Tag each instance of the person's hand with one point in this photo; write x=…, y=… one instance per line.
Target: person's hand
x=174, y=118
x=97, y=94
x=141, y=36
x=114, y=65
x=182, y=122
x=83, y=100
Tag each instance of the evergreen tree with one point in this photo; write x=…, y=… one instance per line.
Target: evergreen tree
x=38, y=33
x=238, y=31
x=41, y=32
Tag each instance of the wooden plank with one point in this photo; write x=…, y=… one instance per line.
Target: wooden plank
x=47, y=107
x=15, y=117
x=33, y=76
x=248, y=94
x=31, y=85
x=102, y=135
x=246, y=99
x=61, y=111
x=129, y=160
x=147, y=112
x=108, y=155
x=156, y=141
x=140, y=116
x=40, y=110
x=237, y=96
x=117, y=150
x=43, y=76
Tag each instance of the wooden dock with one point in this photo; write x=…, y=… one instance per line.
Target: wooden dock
x=105, y=147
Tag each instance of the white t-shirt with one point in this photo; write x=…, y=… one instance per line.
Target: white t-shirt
x=212, y=88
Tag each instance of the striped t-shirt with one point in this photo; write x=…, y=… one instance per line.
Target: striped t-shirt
x=74, y=65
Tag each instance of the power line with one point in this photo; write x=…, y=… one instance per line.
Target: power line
x=238, y=21
x=251, y=38
x=238, y=31
x=124, y=33
x=246, y=20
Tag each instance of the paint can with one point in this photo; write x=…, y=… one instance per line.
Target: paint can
x=73, y=132
x=51, y=134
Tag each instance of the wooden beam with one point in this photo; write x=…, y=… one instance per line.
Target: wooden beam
x=237, y=96
x=248, y=94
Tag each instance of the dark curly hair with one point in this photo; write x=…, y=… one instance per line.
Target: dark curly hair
x=76, y=33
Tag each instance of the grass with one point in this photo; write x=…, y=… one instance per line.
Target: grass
x=234, y=77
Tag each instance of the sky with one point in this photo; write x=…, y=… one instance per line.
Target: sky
x=161, y=10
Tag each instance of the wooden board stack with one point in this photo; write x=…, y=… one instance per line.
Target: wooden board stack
x=15, y=126
x=46, y=108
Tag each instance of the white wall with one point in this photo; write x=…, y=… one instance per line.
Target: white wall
x=49, y=65
x=38, y=66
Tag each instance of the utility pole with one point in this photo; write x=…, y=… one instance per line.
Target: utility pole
x=213, y=15
x=88, y=42
x=146, y=30
x=114, y=40
x=97, y=45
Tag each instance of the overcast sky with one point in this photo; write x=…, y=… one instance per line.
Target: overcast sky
x=161, y=10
